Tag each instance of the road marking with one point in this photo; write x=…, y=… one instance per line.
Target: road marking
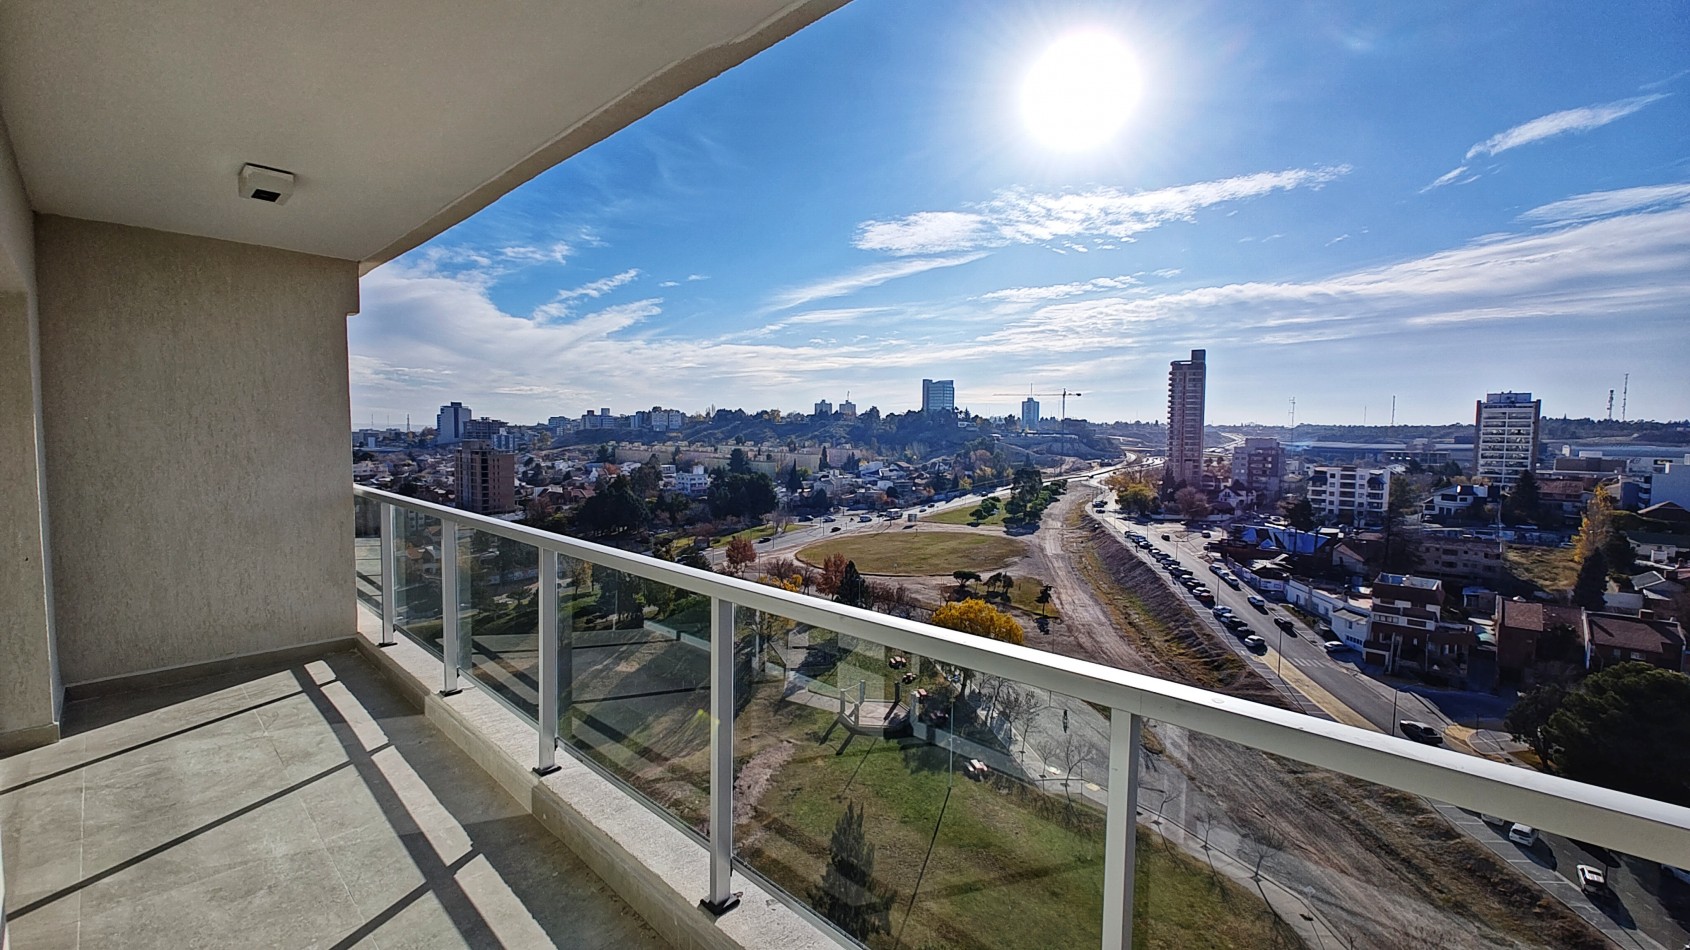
x=1320, y=697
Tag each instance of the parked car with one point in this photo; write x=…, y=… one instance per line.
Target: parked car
x=1255, y=643
x=764, y=540
x=1420, y=732
x=1222, y=612
x=1593, y=880
x=1216, y=570
x=1523, y=835
x=1286, y=624
x=1167, y=537
x=829, y=518
x=1258, y=603
x=1334, y=646
x=834, y=529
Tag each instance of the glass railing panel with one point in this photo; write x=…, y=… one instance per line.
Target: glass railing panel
x=499, y=623
x=915, y=803
x=636, y=684
x=366, y=552
x=417, y=575
x=1266, y=851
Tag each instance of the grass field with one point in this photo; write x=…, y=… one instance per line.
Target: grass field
x=978, y=863
x=750, y=534
x=965, y=516
x=1544, y=568
x=1026, y=592
x=918, y=553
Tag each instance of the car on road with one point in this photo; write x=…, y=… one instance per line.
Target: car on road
x=1167, y=537
x=1235, y=624
x=834, y=529
x=1256, y=643
x=1231, y=580
x=1523, y=835
x=1286, y=624
x=1334, y=646
x=1222, y=611
x=829, y=518
x=1207, y=534
x=1420, y=732
x=865, y=517
x=1217, y=570
x=1593, y=881
x=1257, y=603
x=764, y=540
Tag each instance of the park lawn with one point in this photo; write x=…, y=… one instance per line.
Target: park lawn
x=919, y=553
x=965, y=516
x=1025, y=594
x=750, y=534
x=1549, y=569
x=1008, y=866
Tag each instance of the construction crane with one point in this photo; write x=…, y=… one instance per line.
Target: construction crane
x=1064, y=394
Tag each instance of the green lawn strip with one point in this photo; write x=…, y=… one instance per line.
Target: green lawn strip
x=919, y=553
x=966, y=516
x=750, y=534
x=1025, y=594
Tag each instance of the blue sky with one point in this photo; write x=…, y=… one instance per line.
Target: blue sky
x=1341, y=202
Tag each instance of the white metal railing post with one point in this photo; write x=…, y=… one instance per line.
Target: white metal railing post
x=546, y=584
x=389, y=521
x=722, y=898
x=1120, y=846
x=449, y=606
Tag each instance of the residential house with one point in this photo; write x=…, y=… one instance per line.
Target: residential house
x=1520, y=628
x=1408, y=628
x=1616, y=638
x=1454, y=501
x=1460, y=556
x=1347, y=492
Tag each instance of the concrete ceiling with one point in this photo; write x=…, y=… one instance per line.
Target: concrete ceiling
x=399, y=117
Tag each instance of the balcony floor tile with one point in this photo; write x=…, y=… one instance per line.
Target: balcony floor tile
x=302, y=806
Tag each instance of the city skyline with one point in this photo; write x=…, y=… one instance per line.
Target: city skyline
x=864, y=206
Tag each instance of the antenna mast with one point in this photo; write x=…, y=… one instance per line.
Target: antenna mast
x=1610, y=405
x=1625, y=392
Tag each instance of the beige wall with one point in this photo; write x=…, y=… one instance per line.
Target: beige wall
x=28, y=693
x=194, y=396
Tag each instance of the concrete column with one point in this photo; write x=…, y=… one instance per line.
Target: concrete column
x=195, y=407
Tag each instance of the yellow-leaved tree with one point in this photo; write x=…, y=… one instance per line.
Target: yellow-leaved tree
x=981, y=619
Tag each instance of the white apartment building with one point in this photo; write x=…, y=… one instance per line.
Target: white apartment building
x=1507, y=431
x=451, y=422
x=1187, y=380
x=938, y=396
x=1337, y=491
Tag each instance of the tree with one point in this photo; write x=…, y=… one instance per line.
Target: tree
x=848, y=894
x=833, y=574
x=605, y=453
x=648, y=478
x=1191, y=502
x=1524, y=501
x=963, y=579
x=1626, y=728
x=1592, y=582
x=1595, y=527
x=979, y=618
x=1617, y=551
x=794, y=482
x=853, y=590
x=1301, y=514
x=1043, y=600
x=1531, y=712
x=738, y=463
x=741, y=553
x=1259, y=844
x=741, y=495
x=615, y=509
x=1137, y=497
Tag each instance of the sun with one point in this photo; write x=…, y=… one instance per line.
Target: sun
x=1080, y=91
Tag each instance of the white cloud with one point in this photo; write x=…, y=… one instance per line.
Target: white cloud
x=864, y=278
x=670, y=283
x=1565, y=122
x=563, y=304
x=1341, y=237
x=1018, y=216
x=554, y=253
x=1602, y=204
x=698, y=277
x=1023, y=295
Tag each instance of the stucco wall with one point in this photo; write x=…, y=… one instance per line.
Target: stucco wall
x=27, y=690
x=194, y=396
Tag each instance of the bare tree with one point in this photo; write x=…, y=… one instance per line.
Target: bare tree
x=1204, y=821
x=1257, y=845
x=1071, y=751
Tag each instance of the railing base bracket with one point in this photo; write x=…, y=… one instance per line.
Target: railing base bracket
x=451, y=692
x=547, y=770
x=717, y=910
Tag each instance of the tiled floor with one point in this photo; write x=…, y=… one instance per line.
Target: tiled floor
x=308, y=806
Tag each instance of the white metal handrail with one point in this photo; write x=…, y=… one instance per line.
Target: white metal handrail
x=1627, y=823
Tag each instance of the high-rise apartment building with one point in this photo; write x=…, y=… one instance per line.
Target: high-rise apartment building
x=486, y=479
x=1259, y=463
x=1346, y=491
x=450, y=424
x=1030, y=414
x=1506, y=435
x=938, y=396
x=1186, y=380
x=848, y=410
x=824, y=408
